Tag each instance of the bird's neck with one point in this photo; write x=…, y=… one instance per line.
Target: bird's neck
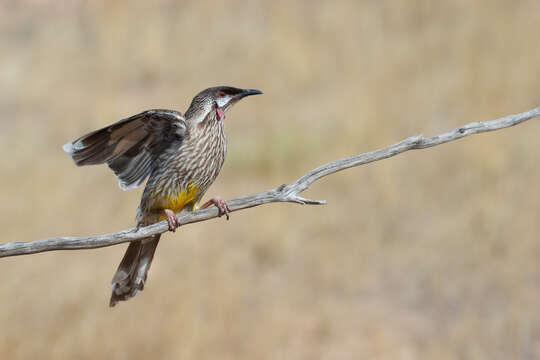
x=203, y=120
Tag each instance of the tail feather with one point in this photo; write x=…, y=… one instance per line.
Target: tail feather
x=131, y=275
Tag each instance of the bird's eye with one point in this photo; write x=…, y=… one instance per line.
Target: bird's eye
x=221, y=94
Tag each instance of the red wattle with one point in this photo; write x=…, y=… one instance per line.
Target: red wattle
x=220, y=113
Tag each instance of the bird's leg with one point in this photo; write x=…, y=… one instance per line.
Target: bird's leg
x=220, y=204
x=172, y=220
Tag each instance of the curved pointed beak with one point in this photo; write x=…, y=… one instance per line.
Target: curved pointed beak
x=248, y=92
x=238, y=96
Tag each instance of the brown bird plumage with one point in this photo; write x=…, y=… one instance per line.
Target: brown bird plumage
x=180, y=155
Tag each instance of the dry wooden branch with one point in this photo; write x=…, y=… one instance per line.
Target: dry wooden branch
x=283, y=193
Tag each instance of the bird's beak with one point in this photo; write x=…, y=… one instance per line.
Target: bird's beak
x=248, y=92
x=235, y=99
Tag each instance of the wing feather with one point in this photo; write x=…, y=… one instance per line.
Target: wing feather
x=131, y=146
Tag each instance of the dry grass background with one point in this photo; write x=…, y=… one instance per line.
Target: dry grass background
x=432, y=254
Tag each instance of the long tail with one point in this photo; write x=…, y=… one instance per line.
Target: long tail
x=130, y=277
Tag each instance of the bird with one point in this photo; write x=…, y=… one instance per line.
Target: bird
x=180, y=154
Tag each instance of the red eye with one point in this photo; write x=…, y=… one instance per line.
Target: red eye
x=221, y=94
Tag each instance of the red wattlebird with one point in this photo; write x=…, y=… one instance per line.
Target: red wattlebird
x=181, y=155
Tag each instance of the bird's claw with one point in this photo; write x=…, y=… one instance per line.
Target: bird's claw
x=223, y=208
x=172, y=220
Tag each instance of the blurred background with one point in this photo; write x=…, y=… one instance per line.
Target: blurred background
x=431, y=254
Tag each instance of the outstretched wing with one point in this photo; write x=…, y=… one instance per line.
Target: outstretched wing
x=130, y=146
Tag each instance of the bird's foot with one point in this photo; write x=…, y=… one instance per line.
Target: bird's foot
x=172, y=220
x=223, y=208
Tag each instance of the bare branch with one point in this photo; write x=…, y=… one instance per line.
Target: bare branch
x=283, y=193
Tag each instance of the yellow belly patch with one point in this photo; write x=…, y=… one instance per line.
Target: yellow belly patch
x=177, y=202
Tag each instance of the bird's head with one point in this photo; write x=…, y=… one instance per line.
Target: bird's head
x=216, y=101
